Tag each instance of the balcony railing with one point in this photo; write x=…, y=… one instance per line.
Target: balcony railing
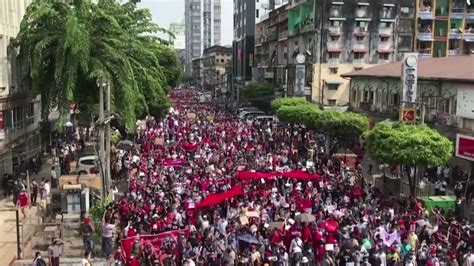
x=360, y=47
x=455, y=34
x=457, y=12
x=383, y=31
x=426, y=12
x=360, y=31
x=334, y=46
x=453, y=52
x=334, y=30
x=385, y=46
x=425, y=36
x=424, y=53
x=470, y=12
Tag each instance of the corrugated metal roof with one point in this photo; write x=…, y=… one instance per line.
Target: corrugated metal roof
x=456, y=68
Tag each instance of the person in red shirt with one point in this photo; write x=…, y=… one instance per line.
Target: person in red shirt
x=22, y=202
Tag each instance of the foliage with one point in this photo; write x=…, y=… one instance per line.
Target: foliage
x=288, y=101
x=298, y=114
x=96, y=213
x=341, y=125
x=259, y=94
x=399, y=143
x=64, y=48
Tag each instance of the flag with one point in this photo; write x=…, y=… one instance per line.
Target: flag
x=389, y=238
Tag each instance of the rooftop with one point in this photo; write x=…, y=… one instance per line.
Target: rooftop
x=458, y=68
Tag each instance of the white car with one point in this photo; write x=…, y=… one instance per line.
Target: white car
x=245, y=115
x=87, y=165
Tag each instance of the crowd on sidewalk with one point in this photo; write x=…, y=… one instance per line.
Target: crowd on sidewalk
x=208, y=189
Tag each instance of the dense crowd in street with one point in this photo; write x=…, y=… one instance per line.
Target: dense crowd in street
x=206, y=188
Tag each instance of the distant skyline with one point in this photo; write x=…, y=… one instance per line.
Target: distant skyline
x=165, y=12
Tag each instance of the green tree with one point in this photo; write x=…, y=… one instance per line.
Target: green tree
x=259, y=94
x=288, y=101
x=302, y=114
x=64, y=48
x=409, y=145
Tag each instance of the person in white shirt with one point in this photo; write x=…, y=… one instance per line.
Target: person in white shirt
x=54, y=178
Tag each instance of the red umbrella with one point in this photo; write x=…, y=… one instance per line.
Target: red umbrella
x=331, y=226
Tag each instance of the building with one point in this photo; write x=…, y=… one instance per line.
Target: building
x=444, y=28
x=215, y=60
x=444, y=95
x=19, y=111
x=178, y=41
x=197, y=73
x=304, y=46
x=202, y=28
x=354, y=35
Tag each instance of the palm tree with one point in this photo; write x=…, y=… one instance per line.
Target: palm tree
x=64, y=48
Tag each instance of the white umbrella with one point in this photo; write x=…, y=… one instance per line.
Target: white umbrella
x=68, y=124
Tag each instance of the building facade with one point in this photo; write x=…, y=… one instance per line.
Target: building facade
x=444, y=95
x=202, y=28
x=19, y=111
x=444, y=28
x=178, y=41
x=197, y=73
x=215, y=60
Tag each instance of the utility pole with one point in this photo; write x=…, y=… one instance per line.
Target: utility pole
x=107, y=142
x=101, y=85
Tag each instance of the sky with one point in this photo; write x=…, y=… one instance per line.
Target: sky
x=168, y=11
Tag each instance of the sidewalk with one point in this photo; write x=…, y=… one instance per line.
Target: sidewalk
x=8, y=232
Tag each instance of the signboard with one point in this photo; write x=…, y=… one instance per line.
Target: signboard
x=409, y=77
x=299, y=79
x=408, y=115
x=465, y=147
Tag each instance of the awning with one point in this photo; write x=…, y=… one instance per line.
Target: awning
x=389, y=5
x=334, y=50
x=468, y=39
x=363, y=19
x=387, y=20
x=384, y=51
x=360, y=50
x=363, y=4
x=341, y=19
x=336, y=82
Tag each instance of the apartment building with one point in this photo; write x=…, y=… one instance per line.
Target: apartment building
x=215, y=60
x=178, y=40
x=444, y=28
x=202, y=28
x=19, y=111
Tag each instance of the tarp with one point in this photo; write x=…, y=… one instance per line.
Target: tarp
x=215, y=199
x=297, y=174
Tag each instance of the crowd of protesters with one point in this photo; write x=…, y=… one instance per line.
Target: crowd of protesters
x=321, y=212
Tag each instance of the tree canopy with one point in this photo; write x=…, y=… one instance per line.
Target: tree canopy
x=259, y=94
x=298, y=114
x=64, y=48
x=400, y=143
x=342, y=125
x=288, y=101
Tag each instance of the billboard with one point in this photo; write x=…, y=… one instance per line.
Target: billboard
x=465, y=147
x=409, y=77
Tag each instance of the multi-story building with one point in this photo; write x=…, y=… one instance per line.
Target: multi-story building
x=197, y=73
x=202, y=28
x=178, y=40
x=215, y=60
x=444, y=28
x=354, y=34
x=19, y=110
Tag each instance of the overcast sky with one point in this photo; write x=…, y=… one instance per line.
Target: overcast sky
x=169, y=11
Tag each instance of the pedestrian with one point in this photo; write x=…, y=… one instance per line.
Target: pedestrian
x=88, y=235
x=54, y=251
x=34, y=192
x=108, y=227
x=41, y=188
x=54, y=178
x=38, y=260
x=23, y=202
x=47, y=188
x=86, y=261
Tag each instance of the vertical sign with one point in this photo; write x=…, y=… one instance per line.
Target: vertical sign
x=409, y=78
x=299, y=79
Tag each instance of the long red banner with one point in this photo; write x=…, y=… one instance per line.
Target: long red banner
x=297, y=174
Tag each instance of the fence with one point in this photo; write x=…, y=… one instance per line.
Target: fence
x=37, y=237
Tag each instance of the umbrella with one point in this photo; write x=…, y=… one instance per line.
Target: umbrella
x=125, y=145
x=248, y=238
x=68, y=124
x=331, y=226
x=305, y=218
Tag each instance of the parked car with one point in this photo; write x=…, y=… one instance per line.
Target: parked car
x=87, y=165
x=246, y=114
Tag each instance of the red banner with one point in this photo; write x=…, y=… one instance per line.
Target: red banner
x=215, y=199
x=154, y=240
x=465, y=147
x=297, y=174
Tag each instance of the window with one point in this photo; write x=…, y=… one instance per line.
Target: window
x=333, y=55
x=384, y=38
x=222, y=60
x=333, y=70
x=257, y=13
x=17, y=118
x=360, y=38
x=332, y=102
x=384, y=56
x=359, y=56
x=30, y=114
x=334, y=38
x=333, y=87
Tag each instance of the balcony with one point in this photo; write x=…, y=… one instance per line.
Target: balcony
x=424, y=53
x=425, y=36
x=360, y=47
x=455, y=34
x=335, y=47
x=457, y=12
x=442, y=11
x=360, y=31
x=469, y=35
x=453, y=52
x=385, y=32
x=283, y=35
x=385, y=46
x=335, y=31
x=426, y=13
x=470, y=12
x=387, y=11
